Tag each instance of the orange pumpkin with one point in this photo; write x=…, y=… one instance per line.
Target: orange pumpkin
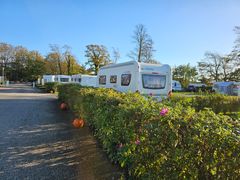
x=78, y=123
x=63, y=106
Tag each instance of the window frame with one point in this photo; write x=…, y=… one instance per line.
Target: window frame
x=122, y=84
x=100, y=81
x=115, y=78
x=154, y=75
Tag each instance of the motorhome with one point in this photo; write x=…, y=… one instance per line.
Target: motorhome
x=176, y=86
x=147, y=79
x=85, y=80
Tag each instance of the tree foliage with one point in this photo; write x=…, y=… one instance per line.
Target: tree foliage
x=97, y=56
x=185, y=74
x=24, y=65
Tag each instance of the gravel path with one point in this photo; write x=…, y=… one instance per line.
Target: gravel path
x=37, y=140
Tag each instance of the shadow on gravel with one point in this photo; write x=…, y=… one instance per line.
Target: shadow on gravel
x=18, y=90
x=39, y=142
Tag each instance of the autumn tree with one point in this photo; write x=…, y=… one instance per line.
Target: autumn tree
x=35, y=66
x=52, y=64
x=143, y=51
x=97, y=56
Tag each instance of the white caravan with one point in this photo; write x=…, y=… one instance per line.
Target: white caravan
x=176, y=86
x=85, y=80
x=57, y=78
x=147, y=79
x=48, y=78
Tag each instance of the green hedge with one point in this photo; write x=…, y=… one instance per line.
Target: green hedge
x=228, y=105
x=51, y=86
x=153, y=140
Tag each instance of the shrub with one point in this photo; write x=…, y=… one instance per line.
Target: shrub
x=228, y=105
x=154, y=140
x=51, y=86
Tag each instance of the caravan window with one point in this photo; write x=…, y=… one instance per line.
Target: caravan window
x=80, y=79
x=113, y=79
x=151, y=81
x=102, y=79
x=64, y=79
x=125, y=79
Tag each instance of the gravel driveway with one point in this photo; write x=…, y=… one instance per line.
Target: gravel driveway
x=37, y=140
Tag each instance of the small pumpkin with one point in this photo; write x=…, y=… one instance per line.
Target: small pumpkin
x=78, y=123
x=63, y=106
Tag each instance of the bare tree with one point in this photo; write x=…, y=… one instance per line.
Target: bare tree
x=211, y=66
x=68, y=57
x=116, y=55
x=57, y=55
x=227, y=67
x=216, y=67
x=144, y=45
x=236, y=48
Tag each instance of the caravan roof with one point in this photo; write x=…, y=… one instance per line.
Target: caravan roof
x=224, y=83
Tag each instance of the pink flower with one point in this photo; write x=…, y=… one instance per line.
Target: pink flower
x=137, y=142
x=120, y=146
x=164, y=111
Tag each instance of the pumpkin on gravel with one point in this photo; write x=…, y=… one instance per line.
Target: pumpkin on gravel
x=63, y=106
x=78, y=123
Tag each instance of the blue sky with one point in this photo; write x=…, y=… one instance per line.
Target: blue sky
x=182, y=31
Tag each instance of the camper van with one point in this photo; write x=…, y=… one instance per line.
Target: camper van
x=147, y=79
x=176, y=86
x=85, y=80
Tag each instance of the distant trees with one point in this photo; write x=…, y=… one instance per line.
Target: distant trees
x=185, y=74
x=97, y=56
x=61, y=61
x=20, y=64
x=211, y=66
x=143, y=51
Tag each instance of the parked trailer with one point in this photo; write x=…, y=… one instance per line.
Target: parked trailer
x=147, y=79
x=85, y=80
x=48, y=78
x=176, y=86
x=228, y=88
x=57, y=78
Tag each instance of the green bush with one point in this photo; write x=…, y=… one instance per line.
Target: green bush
x=228, y=105
x=154, y=140
x=217, y=102
x=51, y=86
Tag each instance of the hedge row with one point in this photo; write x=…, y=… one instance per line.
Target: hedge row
x=154, y=141
x=51, y=86
x=228, y=105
